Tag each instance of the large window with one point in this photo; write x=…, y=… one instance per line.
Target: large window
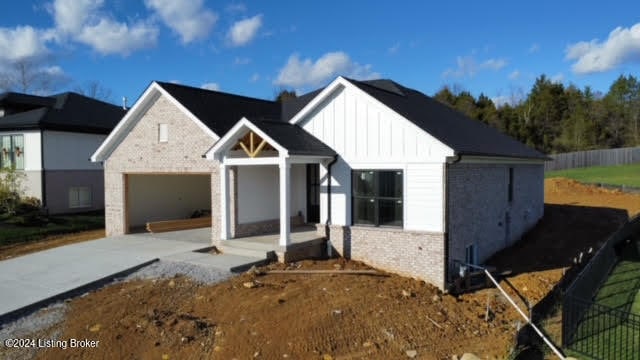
x=377, y=197
x=12, y=147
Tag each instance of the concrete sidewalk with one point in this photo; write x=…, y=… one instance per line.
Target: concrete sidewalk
x=30, y=281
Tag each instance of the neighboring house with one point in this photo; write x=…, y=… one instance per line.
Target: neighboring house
x=390, y=176
x=50, y=139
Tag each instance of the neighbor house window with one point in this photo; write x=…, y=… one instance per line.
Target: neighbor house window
x=79, y=197
x=377, y=197
x=510, y=190
x=12, y=151
x=163, y=132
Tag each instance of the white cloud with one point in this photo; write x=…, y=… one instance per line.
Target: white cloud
x=71, y=15
x=534, y=48
x=501, y=100
x=254, y=78
x=621, y=47
x=211, y=86
x=243, y=31
x=22, y=42
x=557, y=78
x=189, y=18
x=394, y=49
x=241, y=61
x=112, y=37
x=306, y=72
x=84, y=21
x=467, y=66
x=515, y=75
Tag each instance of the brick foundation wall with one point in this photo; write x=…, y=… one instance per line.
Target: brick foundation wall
x=141, y=153
x=478, y=207
x=410, y=253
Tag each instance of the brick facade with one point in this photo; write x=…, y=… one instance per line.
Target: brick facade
x=141, y=153
x=480, y=213
x=410, y=253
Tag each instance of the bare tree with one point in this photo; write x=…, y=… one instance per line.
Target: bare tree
x=28, y=76
x=96, y=90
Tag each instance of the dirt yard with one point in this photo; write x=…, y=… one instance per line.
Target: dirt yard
x=296, y=316
x=19, y=249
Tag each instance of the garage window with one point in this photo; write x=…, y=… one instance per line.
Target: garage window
x=80, y=197
x=163, y=133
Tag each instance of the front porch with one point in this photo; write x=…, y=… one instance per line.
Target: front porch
x=269, y=190
x=304, y=243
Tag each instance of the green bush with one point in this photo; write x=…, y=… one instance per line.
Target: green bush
x=10, y=190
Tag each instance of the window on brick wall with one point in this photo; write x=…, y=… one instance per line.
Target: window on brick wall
x=163, y=133
x=377, y=197
x=470, y=255
x=12, y=148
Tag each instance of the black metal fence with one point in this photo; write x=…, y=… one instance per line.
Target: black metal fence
x=602, y=332
x=602, y=157
x=593, y=329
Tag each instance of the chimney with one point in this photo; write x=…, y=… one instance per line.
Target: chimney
x=124, y=103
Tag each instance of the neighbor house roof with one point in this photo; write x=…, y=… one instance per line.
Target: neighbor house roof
x=464, y=135
x=64, y=112
x=220, y=111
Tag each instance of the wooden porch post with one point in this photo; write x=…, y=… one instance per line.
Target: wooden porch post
x=285, y=202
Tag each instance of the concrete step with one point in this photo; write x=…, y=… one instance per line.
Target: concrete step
x=243, y=248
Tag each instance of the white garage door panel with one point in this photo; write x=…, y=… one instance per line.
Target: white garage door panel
x=166, y=197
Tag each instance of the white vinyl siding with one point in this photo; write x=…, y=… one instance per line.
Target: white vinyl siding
x=368, y=135
x=70, y=151
x=424, y=199
x=79, y=197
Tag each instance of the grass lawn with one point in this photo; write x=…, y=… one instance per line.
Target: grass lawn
x=24, y=228
x=627, y=175
x=607, y=335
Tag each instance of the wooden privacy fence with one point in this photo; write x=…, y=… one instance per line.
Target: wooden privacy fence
x=602, y=157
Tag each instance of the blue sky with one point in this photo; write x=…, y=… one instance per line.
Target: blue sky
x=254, y=48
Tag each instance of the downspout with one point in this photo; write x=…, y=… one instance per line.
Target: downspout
x=328, y=222
x=446, y=216
x=43, y=178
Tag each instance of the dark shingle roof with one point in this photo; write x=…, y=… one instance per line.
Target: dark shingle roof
x=294, y=138
x=66, y=112
x=291, y=107
x=464, y=135
x=220, y=111
x=14, y=98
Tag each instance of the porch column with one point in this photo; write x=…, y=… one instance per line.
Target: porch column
x=285, y=202
x=224, y=203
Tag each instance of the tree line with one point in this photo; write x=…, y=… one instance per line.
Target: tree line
x=555, y=118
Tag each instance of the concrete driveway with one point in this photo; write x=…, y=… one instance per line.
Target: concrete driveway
x=33, y=280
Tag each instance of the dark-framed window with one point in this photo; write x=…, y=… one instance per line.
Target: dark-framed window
x=377, y=197
x=12, y=151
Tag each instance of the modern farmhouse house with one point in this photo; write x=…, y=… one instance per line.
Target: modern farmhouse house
x=50, y=139
x=387, y=174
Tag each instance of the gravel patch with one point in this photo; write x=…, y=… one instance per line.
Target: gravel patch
x=167, y=269
x=37, y=321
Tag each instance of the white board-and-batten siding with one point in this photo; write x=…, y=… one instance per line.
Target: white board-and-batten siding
x=368, y=135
